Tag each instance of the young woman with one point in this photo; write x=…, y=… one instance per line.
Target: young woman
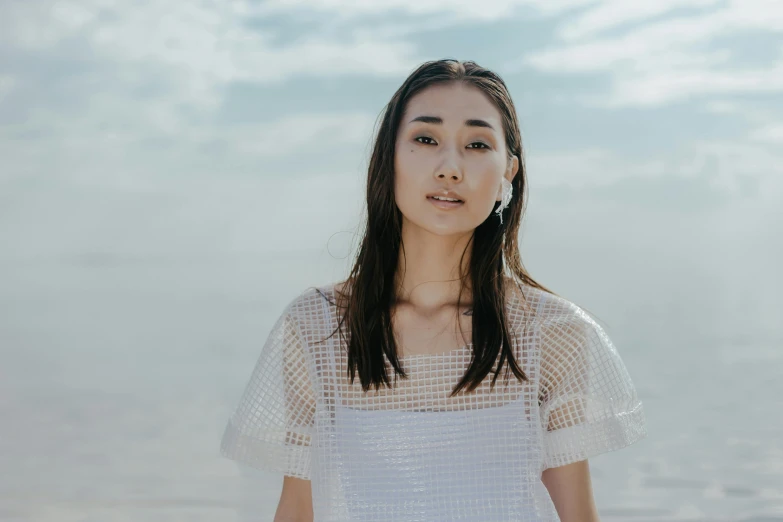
x=373, y=397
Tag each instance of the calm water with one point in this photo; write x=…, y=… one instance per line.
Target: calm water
x=118, y=375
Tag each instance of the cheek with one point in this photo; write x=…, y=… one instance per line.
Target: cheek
x=406, y=179
x=487, y=178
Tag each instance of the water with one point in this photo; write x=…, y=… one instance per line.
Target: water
x=118, y=375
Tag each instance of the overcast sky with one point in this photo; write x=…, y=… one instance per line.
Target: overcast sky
x=225, y=128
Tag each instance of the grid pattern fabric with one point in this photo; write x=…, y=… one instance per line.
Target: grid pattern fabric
x=412, y=453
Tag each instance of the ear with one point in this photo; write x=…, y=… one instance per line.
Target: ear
x=513, y=168
x=511, y=171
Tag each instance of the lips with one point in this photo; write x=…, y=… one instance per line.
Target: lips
x=444, y=204
x=443, y=193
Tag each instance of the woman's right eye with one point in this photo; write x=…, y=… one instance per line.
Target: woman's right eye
x=423, y=138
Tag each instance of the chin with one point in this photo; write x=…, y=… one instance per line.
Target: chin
x=443, y=227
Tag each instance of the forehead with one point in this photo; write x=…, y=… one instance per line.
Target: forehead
x=454, y=103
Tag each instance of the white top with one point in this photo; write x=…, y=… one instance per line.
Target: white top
x=411, y=453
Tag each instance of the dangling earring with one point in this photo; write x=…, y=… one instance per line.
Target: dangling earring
x=508, y=191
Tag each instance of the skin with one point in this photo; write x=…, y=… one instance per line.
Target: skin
x=571, y=491
x=472, y=160
x=296, y=501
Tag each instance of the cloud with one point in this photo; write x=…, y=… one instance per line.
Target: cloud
x=194, y=49
x=608, y=15
x=286, y=134
x=134, y=91
x=721, y=169
x=772, y=134
x=487, y=10
x=748, y=110
x=115, y=94
x=7, y=84
x=657, y=61
x=142, y=150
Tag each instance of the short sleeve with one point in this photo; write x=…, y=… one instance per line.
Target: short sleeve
x=589, y=404
x=272, y=426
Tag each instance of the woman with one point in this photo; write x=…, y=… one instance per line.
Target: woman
x=438, y=296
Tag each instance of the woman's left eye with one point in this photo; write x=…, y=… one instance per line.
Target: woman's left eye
x=483, y=145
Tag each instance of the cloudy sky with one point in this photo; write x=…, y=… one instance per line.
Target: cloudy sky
x=161, y=128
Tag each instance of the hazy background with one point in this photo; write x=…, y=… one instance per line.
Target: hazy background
x=173, y=173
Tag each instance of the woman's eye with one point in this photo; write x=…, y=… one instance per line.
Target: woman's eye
x=431, y=141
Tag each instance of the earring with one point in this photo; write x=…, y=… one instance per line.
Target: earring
x=508, y=191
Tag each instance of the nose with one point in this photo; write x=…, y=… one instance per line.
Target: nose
x=450, y=167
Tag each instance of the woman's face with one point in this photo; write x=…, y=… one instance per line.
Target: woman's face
x=450, y=141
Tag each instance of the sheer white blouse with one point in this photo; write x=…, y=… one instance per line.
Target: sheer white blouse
x=412, y=453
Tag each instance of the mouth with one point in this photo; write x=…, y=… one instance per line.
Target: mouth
x=444, y=202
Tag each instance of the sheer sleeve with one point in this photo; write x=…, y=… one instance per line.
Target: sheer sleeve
x=589, y=404
x=272, y=426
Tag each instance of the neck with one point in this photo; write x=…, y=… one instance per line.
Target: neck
x=428, y=270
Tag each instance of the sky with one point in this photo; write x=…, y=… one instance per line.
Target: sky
x=188, y=127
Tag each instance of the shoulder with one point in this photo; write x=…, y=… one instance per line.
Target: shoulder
x=309, y=295
x=542, y=305
x=309, y=303
x=570, y=340
x=552, y=310
x=303, y=318
x=564, y=328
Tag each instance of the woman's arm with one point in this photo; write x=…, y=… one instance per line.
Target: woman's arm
x=296, y=501
x=571, y=491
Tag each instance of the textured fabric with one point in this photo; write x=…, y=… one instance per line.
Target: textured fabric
x=412, y=453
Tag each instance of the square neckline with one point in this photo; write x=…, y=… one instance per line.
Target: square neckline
x=330, y=288
x=402, y=357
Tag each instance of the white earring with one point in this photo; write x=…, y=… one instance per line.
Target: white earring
x=508, y=191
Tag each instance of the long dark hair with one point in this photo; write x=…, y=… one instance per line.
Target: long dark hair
x=367, y=297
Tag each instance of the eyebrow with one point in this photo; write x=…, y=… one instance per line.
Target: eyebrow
x=439, y=121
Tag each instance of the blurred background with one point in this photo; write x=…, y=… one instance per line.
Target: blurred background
x=173, y=173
